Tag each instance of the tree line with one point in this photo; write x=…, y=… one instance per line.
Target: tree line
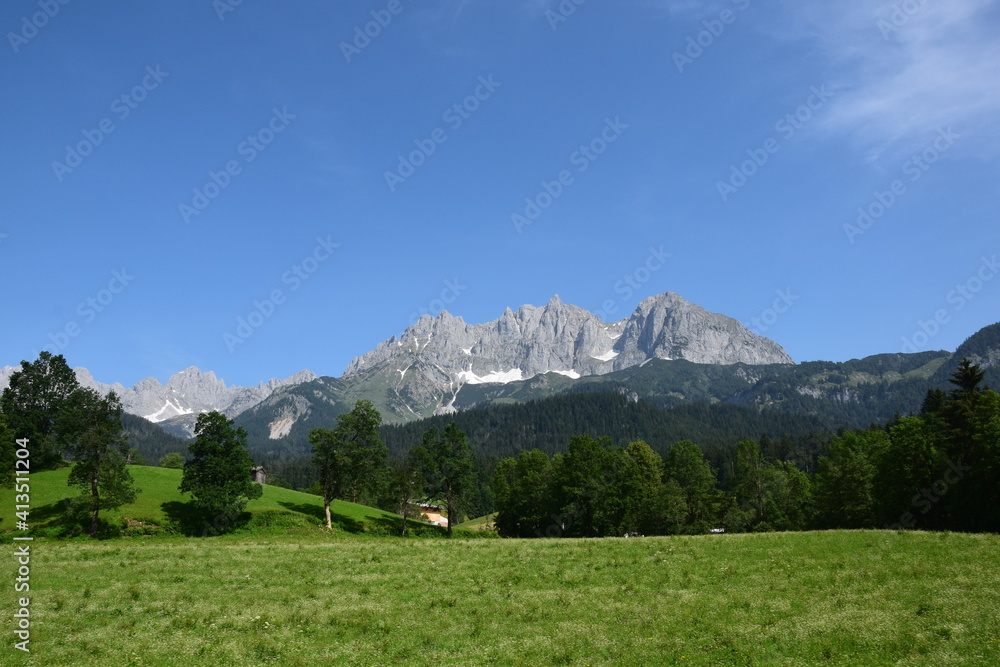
x=937, y=470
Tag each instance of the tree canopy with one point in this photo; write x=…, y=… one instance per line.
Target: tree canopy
x=351, y=458
x=218, y=474
x=34, y=402
x=100, y=453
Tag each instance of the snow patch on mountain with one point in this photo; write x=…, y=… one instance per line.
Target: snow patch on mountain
x=496, y=377
x=185, y=395
x=168, y=410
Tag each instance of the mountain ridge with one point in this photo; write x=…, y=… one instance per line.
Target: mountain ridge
x=438, y=356
x=186, y=394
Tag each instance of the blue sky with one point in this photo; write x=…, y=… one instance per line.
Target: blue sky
x=824, y=172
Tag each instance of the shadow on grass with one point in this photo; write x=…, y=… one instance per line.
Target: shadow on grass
x=193, y=521
x=346, y=523
x=382, y=525
x=46, y=513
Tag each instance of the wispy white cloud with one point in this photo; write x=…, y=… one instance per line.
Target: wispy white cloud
x=902, y=75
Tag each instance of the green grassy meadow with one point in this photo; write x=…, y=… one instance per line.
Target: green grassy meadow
x=161, y=508
x=281, y=590
x=837, y=598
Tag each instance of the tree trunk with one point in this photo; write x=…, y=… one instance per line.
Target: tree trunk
x=97, y=504
x=450, y=503
x=326, y=509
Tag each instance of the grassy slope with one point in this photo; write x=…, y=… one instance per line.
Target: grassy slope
x=836, y=598
x=161, y=503
x=481, y=523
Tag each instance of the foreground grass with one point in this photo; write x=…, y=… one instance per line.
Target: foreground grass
x=844, y=598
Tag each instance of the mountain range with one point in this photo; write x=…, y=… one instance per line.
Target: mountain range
x=423, y=371
x=177, y=404
x=668, y=352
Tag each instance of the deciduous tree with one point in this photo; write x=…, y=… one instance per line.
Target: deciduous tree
x=446, y=463
x=218, y=474
x=686, y=465
x=350, y=458
x=99, y=451
x=33, y=403
x=172, y=460
x=8, y=449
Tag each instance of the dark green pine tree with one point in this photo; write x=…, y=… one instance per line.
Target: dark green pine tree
x=971, y=416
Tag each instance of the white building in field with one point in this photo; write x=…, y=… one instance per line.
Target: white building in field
x=433, y=513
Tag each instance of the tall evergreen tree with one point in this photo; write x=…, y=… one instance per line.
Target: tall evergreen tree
x=968, y=490
x=100, y=452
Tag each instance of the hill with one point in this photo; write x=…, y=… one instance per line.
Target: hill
x=162, y=509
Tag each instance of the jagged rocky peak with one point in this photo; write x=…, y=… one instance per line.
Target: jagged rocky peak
x=667, y=326
x=431, y=360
